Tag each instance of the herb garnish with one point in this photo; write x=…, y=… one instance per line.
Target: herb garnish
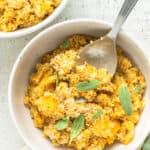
x=65, y=44
x=63, y=123
x=57, y=79
x=77, y=126
x=125, y=99
x=146, y=145
x=138, y=88
x=97, y=114
x=85, y=86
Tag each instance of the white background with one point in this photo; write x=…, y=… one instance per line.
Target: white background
x=137, y=25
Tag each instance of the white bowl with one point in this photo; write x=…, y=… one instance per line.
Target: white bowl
x=48, y=40
x=42, y=24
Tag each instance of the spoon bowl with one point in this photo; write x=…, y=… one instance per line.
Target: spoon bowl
x=102, y=53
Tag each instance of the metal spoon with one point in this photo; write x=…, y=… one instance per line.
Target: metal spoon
x=102, y=52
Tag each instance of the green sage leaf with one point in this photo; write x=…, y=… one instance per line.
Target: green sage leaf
x=65, y=44
x=97, y=114
x=138, y=88
x=77, y=126
x=57, y=79
x=125, y=99
x=85, y=86
x=146, y=145
x=62, y=124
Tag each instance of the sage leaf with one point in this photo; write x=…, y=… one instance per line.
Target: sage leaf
x=85, y=86
x=125, y=99
x=97, y=114
x=138, y=88
x=57, y=79
x=66, y=44
x=62, y=124
x=146, y=145
x=77, y=126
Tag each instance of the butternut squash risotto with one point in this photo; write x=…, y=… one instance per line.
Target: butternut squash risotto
x=81, y=107
x=16, y=14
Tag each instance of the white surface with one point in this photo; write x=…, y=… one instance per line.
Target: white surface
x=29, y=30
x=138, y=26
x=19, y=79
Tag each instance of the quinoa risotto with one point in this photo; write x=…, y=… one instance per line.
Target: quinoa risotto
x=16, y=14
x=82, y=107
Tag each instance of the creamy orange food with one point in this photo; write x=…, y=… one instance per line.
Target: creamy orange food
x=102, y=118
x=16, y=14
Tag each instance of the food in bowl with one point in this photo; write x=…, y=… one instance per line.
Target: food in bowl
x=16, y=14
x=82, y=107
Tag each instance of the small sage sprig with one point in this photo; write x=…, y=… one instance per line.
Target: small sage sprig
x=97, y=114
x=85, y=86
x=146, y=145
x=137, y=88
x=57, y=79
x=65, y=44
x=77, y=127
x=125, y=99
x=62, y=124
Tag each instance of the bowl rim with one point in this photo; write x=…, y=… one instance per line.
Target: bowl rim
x=25, y=49
x=36, y=27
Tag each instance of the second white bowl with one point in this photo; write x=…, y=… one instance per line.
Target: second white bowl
x=42, y=24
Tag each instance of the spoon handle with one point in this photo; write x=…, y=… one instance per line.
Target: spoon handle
x=127, y=7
